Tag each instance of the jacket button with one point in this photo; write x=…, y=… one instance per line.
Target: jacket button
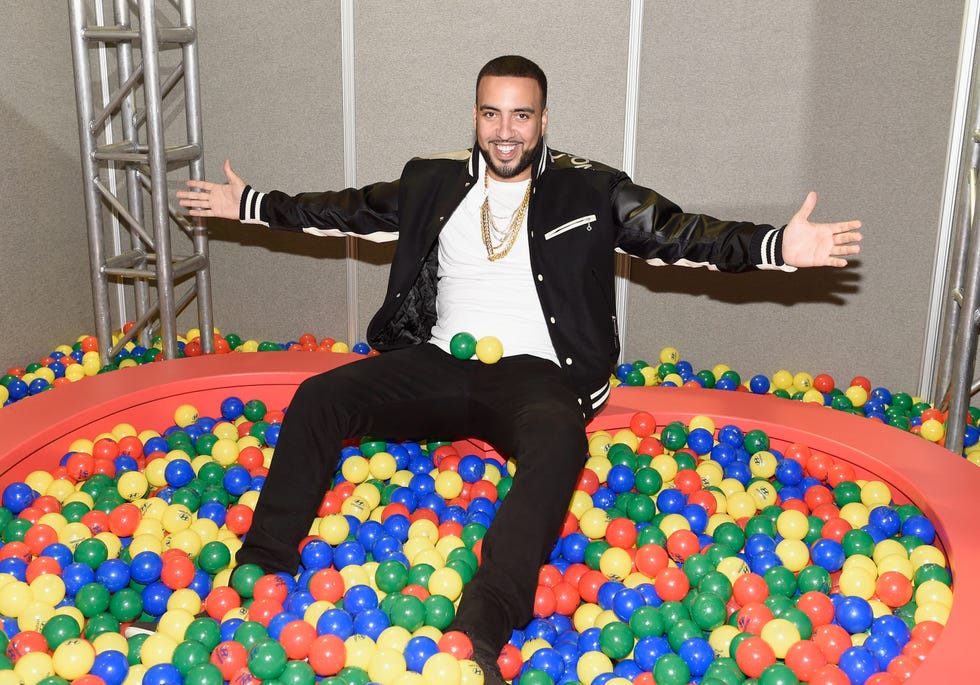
x=397, y=295
x=540, y=277
x=552, y=319
x=568, y=361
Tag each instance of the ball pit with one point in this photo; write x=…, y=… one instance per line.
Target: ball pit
x=36, y=435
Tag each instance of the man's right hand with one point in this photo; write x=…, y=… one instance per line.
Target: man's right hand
x=214, y=199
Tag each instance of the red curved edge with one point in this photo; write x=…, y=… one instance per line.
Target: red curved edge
x=37, y=431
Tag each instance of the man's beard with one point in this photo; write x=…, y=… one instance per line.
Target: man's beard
x=522, y=163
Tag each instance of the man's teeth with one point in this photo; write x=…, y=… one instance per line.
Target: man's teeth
x=506, y=149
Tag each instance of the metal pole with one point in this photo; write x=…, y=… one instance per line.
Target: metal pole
x=134, y=194
x=158, y=177
x=90, y=172
x=192, y=105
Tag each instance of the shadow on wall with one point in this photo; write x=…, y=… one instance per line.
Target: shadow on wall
x=825, y=286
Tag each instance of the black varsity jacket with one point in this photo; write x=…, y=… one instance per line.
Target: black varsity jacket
x=580, y=213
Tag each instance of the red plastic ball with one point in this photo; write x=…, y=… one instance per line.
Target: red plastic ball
x=651, y=447
x=750, y=588
x=40, y=566
x=803, y=658
x=96, y=521
x=823, y=382
x=817, y=606
x=545, y=602
x=297, y=638
x=239, y=518
x=643, y=424
x=510, y=661
x=271, y=586
x=177, y=571
x=753, y=655
x=80, y=465
x=829, y=675
x=567, y=598
x=651, y=560
x=688, y=481
x=230, y=657
x=220, y=601
x=15, y=549
x=588, y=482
x=457, y=643
x=832, y=640
x=893, y=588
x=621, y=532
x=39, y=536
x=264, y=610
x=124, y=519
x=681, y=544
x=672, y=584
x=589, y=584
x=327, y=584
x=25, y=642
x=753, y=616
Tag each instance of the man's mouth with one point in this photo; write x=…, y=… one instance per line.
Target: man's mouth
x=505, y=150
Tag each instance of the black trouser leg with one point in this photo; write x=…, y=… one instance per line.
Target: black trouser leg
x=536, y=419
x=404, y=394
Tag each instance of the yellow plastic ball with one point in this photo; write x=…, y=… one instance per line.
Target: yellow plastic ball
x=157, y=649
x=580, y=503
x=48, y=588
x=813, y=396
x=721, y=638
x=615, y=563
x=780, y=634
x=591, y=665
x=927, y=554
x=386, y=665
x=585, y=616
x=857, y=582
x=934, y=591
x=857, y=395
x=489, y=349
x=888, y=548
x=73, y=533
x=626, y=437
x=669, y=355
x=73, y=658
x=671, y=523
x=762, y=493
x=39, y=481
x=792, y=524
x=932, y=430
x=594, y=523
x=782, y=380
x=355, y=469
x=441, y=667
x=741, y=505
x=665, y=465
x=333, y=528
x=33, y=667
x=855, y=513
x=447, y=582
x=225, y=451
x=177, y=517
x=599, y=444
x=449, y=484
x=185, y=600
x=340, y=346
x=383, y=466
x=132, y=485
x=185, y=415
x=932, y=611
x=763, y=464
x=732, y=568
x=874, y=493
x=174, y=623
x=803, y=381
x=394, y=637
x=794, y=554
x=35, y=616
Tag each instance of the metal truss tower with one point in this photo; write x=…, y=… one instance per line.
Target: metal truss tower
x=125, y=164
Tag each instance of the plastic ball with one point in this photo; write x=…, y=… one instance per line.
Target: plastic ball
x=489, y=349
x=462, y=345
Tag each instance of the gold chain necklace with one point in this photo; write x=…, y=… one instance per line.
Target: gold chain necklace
x=499, y=251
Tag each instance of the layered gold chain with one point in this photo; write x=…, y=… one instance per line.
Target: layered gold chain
x=488, y=226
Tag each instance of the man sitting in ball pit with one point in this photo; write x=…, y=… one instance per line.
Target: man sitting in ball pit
x=510, y=240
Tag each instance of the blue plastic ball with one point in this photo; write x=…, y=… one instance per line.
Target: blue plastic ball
x=858, y=665
x=854, y=614
x=700, y=440
x=232, y=408
x=18, y=496
x=417, y=652
x=335, y=622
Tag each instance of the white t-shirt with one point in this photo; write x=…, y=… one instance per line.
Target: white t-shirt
x=481, y=297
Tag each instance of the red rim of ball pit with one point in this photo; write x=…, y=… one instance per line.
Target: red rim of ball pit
x=37, y=431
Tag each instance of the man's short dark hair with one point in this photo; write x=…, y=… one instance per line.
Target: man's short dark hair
x=517, y=66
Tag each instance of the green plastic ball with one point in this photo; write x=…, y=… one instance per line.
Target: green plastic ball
x=462, y=345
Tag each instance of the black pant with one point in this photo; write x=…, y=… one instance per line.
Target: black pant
x=524, y=406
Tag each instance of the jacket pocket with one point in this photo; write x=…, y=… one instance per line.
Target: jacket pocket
x=574, y=223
